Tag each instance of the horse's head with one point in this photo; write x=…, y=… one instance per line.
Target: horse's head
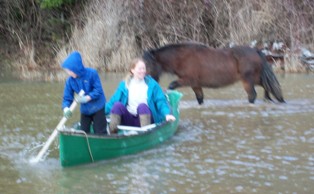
x=153, y=68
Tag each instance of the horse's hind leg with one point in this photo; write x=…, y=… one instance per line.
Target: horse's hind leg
x=267, y=96
x=199, y=94
x=250, y=90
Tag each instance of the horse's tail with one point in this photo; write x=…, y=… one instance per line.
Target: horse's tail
x=269, y=80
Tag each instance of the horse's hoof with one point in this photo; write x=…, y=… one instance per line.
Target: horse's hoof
x=200, y=101
x=171, y=87
x=282, y=101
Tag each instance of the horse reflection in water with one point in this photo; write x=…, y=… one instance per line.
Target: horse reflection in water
x=198, y=66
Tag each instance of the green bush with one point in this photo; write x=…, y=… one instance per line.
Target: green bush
x=54, y=3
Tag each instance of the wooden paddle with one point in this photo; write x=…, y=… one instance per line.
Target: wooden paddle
x=55, y=132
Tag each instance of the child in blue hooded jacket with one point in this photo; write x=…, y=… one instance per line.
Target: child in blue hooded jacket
x=93, y=101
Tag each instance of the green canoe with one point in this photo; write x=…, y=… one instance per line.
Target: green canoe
x=78, y=148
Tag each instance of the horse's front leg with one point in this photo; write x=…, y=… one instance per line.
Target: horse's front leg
x=174, y=84
x=197, y=90
x=199, y=94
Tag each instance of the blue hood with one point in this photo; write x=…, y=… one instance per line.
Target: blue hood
x=74, y=63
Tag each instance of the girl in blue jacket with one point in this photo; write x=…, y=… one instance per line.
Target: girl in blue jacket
x=138, y=100
x=93, y=102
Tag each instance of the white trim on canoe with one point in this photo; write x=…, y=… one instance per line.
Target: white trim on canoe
x=131, y=128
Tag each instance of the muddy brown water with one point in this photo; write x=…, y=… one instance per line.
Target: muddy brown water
x=222, y=146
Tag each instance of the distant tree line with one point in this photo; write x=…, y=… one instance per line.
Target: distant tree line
x=41, y=24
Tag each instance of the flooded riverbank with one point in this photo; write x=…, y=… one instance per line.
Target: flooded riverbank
x=222, y=146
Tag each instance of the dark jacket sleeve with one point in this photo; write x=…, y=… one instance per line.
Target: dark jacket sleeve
x=97, y=87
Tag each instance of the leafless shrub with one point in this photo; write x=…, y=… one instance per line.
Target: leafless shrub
x=111, y=32
x=105, y=40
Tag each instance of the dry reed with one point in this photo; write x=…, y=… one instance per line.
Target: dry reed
x=110, y=33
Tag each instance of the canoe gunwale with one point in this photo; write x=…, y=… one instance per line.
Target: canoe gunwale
x=80, y=133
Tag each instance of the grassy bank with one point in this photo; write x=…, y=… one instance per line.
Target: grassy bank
x=110, y=33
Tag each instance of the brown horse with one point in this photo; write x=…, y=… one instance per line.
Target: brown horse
x=198, y=66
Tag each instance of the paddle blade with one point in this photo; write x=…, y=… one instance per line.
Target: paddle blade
x=55, y=132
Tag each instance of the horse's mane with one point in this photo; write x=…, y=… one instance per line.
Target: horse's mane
x=178, y=45
x=149, y=54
